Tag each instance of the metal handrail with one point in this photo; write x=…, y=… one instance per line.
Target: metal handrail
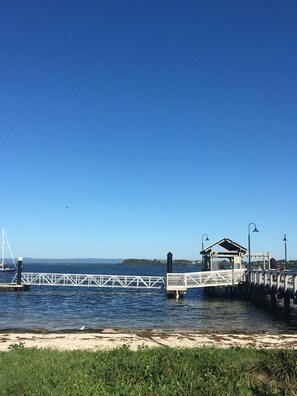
x=92, y=280
x=183, y=281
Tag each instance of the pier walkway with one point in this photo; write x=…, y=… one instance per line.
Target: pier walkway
x=180, y=282
x=84, y=280
x=284, y=283
x=176, y=283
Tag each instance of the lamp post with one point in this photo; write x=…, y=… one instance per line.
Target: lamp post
x=202, y=248
x=207, y=239
x=249, y=243
x=285, y=240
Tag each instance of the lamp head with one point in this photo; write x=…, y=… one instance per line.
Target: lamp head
x=255, y=227
x=207, y=239
x=285, y=238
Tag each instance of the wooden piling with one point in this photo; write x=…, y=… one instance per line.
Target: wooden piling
x=169, y=262
x=20, y=270
x=273, y=302
x=287, y=308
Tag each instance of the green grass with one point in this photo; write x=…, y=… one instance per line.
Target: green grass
x=159, y=371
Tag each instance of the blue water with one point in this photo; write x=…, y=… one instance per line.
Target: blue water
x=58, y=308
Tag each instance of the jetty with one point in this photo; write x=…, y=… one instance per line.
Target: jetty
x=255, y=284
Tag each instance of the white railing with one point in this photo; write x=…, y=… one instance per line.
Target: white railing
x=83, y=280
x=285, y=281
x=184, y=281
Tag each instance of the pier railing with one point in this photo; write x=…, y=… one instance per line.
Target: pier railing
x=83, y=280
x=284, y=281
x=183, y=281
x=279, y=282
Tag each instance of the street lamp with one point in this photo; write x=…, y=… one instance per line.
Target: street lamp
x=249, y=243
x=207, y=239
x=202, y=246
x=285, y=240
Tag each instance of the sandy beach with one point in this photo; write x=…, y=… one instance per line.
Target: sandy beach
x=109, y=338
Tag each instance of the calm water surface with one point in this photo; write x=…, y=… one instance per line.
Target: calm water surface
x=58, y=308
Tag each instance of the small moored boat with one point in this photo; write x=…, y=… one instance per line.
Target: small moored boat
x=3, y=267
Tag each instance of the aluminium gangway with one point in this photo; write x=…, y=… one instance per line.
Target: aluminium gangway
x=85, y=280
x=174, y=282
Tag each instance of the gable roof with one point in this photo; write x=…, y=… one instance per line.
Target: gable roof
x=227, y=244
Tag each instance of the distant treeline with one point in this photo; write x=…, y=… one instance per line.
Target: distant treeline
x=224, y=264
x=133, y=261
x=290, y=263
x=278, y=263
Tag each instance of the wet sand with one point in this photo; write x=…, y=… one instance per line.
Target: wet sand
x=109, y=339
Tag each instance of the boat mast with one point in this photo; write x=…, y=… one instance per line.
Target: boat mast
x=3, y=246
x=7, y=242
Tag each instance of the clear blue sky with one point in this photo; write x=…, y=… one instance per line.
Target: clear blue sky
x=154, y=121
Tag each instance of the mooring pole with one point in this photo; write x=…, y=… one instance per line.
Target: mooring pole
x=273, y=302
x=20, y=270
x=287, y=307
x=169, y=263
x=272, y=263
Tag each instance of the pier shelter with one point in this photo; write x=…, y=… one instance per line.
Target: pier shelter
x=229, y=251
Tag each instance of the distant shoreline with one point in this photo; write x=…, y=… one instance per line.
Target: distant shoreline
x=144, y=262
x=28, y=260
x=132, y=262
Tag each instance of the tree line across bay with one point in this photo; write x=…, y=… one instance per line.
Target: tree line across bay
x=133, y=261
x=222, y=264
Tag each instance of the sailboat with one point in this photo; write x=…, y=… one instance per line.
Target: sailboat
x=3, y=266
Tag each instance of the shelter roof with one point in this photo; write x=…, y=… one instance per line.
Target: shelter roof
x=227, y=244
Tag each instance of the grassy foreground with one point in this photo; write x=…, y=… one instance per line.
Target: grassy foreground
x=159, y=371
